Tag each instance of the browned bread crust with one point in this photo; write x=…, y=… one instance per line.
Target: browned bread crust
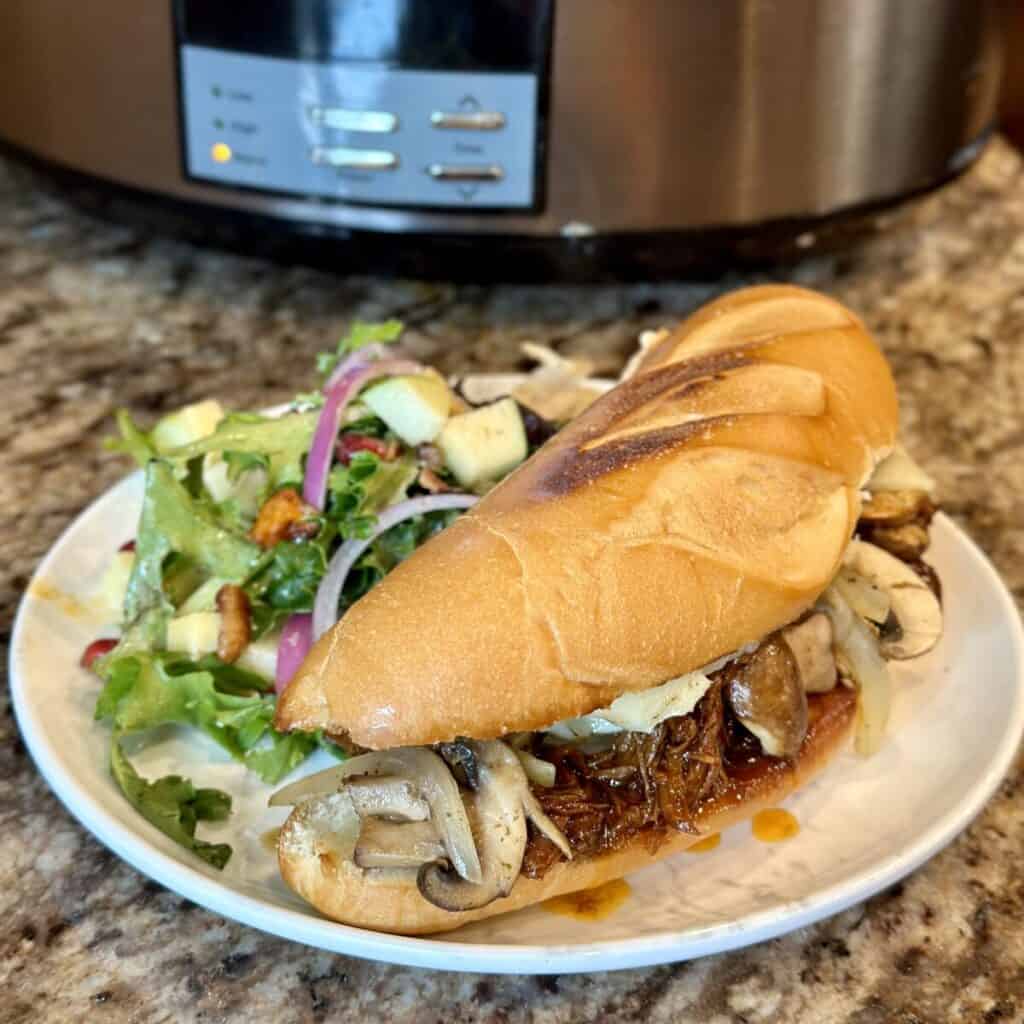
x=692, y=510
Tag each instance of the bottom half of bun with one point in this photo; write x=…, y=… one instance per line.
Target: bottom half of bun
x=391, y=902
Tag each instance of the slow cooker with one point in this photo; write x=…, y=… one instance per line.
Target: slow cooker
x=503, y=137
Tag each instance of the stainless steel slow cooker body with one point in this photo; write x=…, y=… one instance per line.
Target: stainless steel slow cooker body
x=594, y=119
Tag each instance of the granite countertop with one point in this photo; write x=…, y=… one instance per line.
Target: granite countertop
x=94, y=316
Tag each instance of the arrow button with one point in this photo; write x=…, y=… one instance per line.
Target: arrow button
x=468, y=120
x=466, y=172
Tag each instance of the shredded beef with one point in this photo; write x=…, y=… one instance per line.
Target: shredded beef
x=643, y=782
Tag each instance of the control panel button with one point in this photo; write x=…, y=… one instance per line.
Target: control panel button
x=468, y=120
x=380, y=121
x=357, y=159
x=352, y=132
x=465, y=172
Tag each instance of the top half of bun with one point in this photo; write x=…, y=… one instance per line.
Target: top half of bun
x=696, y=507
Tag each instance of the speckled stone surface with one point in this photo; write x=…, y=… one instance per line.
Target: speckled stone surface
x=93, y=316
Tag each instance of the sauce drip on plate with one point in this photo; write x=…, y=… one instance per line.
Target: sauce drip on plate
x=591, y=904
x=774, y=825
x=70, y=605
x=269, y=840
x=707, y=844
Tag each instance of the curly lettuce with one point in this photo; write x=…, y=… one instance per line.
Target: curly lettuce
x=174, y=805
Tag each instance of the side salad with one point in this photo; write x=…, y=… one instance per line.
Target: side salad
x=258, y=531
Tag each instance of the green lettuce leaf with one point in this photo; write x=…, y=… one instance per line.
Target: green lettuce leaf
x=143, y=691
x=227, y=678
x=358, y=491
x=359, y=336
x=292, y=570
x=172, y=521
x=242, y=462
x=280, y=442
x=174, y=806
x=133, y=441
x=276, y=760
x=291, y=576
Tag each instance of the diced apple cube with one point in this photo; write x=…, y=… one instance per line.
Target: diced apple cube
x=485, y=443
x=415, y=408
x=215, y=477
x=195, y=634
x=113, y=585
x=188, y=424
x=247, y=489
x=260, y=657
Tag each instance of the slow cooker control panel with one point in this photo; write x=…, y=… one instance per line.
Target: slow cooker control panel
x=359, y=133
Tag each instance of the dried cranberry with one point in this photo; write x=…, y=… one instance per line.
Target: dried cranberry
x=536, y=427
x=96, y=650
x=128, y=545
x=349, y=444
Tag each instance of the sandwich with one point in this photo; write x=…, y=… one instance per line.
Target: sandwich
x=674, y=613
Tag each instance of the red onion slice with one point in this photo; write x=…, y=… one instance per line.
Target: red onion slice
x=362, y=357
x=345, y=383
x=296, y=640
x=325, y=607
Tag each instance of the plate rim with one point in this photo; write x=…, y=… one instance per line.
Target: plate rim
x=500, y=958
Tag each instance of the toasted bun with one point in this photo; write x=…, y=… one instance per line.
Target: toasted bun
x=692, y=510
x=392, y=903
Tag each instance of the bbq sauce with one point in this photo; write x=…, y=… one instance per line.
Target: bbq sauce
x=707, y=844
x=774, y=825
x=591, y=904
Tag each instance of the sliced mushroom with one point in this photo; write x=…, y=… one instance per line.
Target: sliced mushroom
x=810, y=643
x=500, y=820
x=386, y=796
x=432, y=782
x=329, y=827
x=766, y=694
x=915, y=611
x=867, y=600
x=894, y=508
x=385, y=844
x=908, y=542
x=461, y=758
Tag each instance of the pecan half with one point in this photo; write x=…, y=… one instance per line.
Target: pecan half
x=235, y=626
x=430, y=481
x=430, y=457
x=283, y=516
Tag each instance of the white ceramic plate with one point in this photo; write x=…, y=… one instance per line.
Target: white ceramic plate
x=863, y=824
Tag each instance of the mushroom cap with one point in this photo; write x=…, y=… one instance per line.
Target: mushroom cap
x=913, y=605
x=768, y=698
